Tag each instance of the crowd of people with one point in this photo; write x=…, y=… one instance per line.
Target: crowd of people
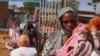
x=74, y=36
x=23, y=40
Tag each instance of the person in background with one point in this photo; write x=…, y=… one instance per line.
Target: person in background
x=36, y=14
x=13, y=25
x=67, y=21
x=27, y=16
x=14, y=31
x=36, y=26
x=31, y=32
x=24, y=48
x=36, y=19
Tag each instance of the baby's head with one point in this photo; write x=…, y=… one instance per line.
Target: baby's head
x=23, y=41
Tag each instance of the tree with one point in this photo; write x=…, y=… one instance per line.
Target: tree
x=73, y=3
x=95, y=1
x=30, y=6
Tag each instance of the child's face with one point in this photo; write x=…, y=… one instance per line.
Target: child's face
x=14, y=25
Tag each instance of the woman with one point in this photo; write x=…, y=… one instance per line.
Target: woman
x=14, y=32
x=23, y=49
x=80, y=43
x=67, y=21
x=31, y=32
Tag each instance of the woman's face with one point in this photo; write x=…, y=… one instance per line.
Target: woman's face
x=69, y=21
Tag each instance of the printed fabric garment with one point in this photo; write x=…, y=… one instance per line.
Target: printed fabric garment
x=24, y=51
x=53, y=43
x=46, y=47
x=79, y=44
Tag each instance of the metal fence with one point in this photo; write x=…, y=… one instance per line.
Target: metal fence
x=48, y=15
x=5, y=13
x=48, y=11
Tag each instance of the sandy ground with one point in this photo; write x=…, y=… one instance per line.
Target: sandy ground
x=4, y=37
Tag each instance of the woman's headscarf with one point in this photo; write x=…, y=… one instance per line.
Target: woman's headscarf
x=60, y=14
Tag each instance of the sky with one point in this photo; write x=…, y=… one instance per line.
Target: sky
x=83, y=5
x=18, y=3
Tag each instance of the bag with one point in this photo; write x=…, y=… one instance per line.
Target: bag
x=10, y=45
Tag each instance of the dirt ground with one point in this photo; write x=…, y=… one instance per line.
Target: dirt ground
x=4, y=37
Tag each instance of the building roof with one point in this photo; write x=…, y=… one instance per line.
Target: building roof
x=83, y=13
